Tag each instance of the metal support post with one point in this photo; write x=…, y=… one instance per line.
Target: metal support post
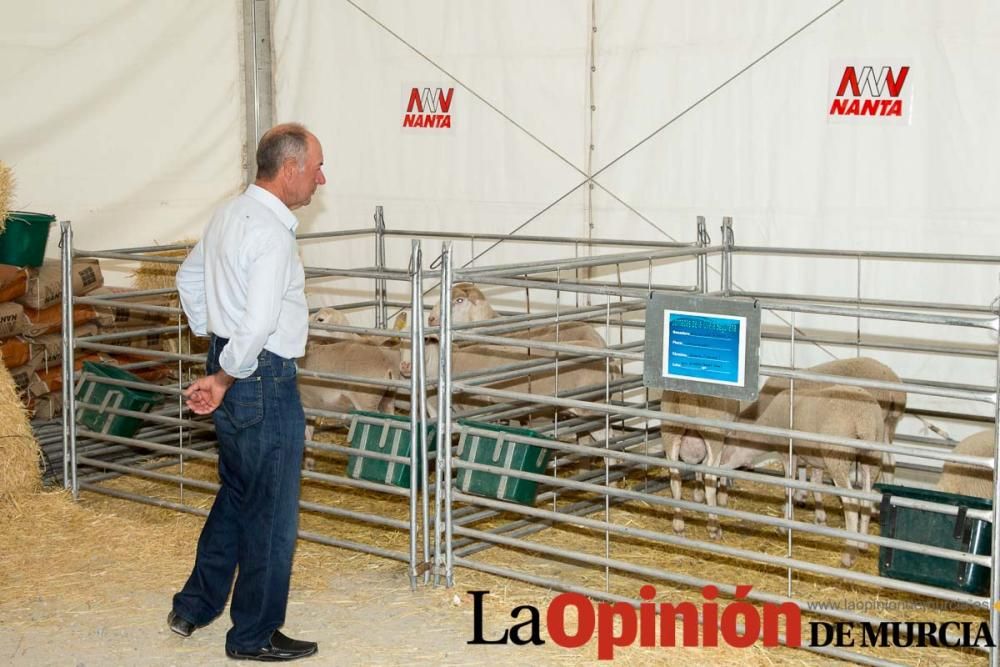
x=703, y=242
x=381, y=316
x=727, y=256
x=444, y=423
x=68, y=361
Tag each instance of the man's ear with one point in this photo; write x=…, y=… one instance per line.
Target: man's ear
x=289, y=168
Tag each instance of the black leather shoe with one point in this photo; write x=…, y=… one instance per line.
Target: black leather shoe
x=279, y=649
x=180, y=625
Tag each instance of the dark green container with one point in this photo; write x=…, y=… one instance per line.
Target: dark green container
x=23, y=241
x=959, y=533
x=504, y=452
x=95, y=392
x=377, y=432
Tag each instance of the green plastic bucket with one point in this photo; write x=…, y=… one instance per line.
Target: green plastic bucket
x=23, y=241
x=957, y=532
x=96, y=393
x=383, y=434
x=504, y=452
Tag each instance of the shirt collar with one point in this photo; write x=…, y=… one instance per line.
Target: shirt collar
x=266, y=198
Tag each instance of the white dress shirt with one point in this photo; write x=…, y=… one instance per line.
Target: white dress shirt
x=244, y=281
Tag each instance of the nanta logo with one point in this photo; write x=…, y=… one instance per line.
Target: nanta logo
x=871, y=91
x=429, y=108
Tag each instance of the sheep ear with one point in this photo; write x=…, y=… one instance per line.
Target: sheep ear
x=475, y=294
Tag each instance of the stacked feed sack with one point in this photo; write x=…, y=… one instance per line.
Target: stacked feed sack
x=127, y=317
x=37, y=345
x=154, y=276
x=15, y=351
x=162, y=275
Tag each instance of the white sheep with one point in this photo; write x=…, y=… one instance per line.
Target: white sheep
x=839, y=410
x=469, y=304
x=892, y=402
x=696, y=445
x=479, y=358
x=970, y=480
x=346, y=357
x=330, y=315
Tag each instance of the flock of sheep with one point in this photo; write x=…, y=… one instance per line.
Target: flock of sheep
x=837, y=410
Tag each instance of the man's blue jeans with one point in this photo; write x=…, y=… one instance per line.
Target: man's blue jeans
x=254, y=520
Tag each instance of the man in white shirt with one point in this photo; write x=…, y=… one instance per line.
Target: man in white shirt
x=243, y=284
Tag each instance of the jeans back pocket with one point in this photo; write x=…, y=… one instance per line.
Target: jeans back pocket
x=244, y=402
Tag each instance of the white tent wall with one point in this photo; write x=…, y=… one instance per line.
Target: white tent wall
x=123, y=116
x=127, y=117
x=348, y=78
x=756, y=143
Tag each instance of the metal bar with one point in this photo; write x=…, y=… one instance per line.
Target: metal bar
x=727, y=256
x=885, y=303
x=364, y=331
x=550, y=346
x=740, y=427
x=131, y=333
x=524, y=283
x=416, y=435
x=870, y=254
x=529, y=321
x=527, y=238
x=380, y=284
x=84, y=344
x=136, y=305
x=444, y=415
x=150, y=417
x=543, y=266
x=354, y=379
x=312, y=236
x=138, y=294
x=523, y=527
x=312, y=537
x=143, y=444
x=68, y=415
x=871, y=313
x=700, y=508
x=418, y=400
x=258, y=75
x=878, y=343
x=322, y=272
x=935, y=389
x=720, y=550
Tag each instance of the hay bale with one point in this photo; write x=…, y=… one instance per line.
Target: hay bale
x=20, y=472
x=154, y=275
x=6, y=193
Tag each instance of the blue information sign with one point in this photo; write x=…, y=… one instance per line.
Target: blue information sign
x=704, y=347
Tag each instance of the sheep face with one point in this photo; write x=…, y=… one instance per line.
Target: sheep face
x=468, y=304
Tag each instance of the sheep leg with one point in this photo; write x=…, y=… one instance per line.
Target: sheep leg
x=714, y=447
x=817, y=478
x=675, y=478
x=722, y=490
x=888, y=473
x=850, y=518
x=866, y=505
x=800, y=495
x=308, y=462
x=787, y=463
x=699, y=488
